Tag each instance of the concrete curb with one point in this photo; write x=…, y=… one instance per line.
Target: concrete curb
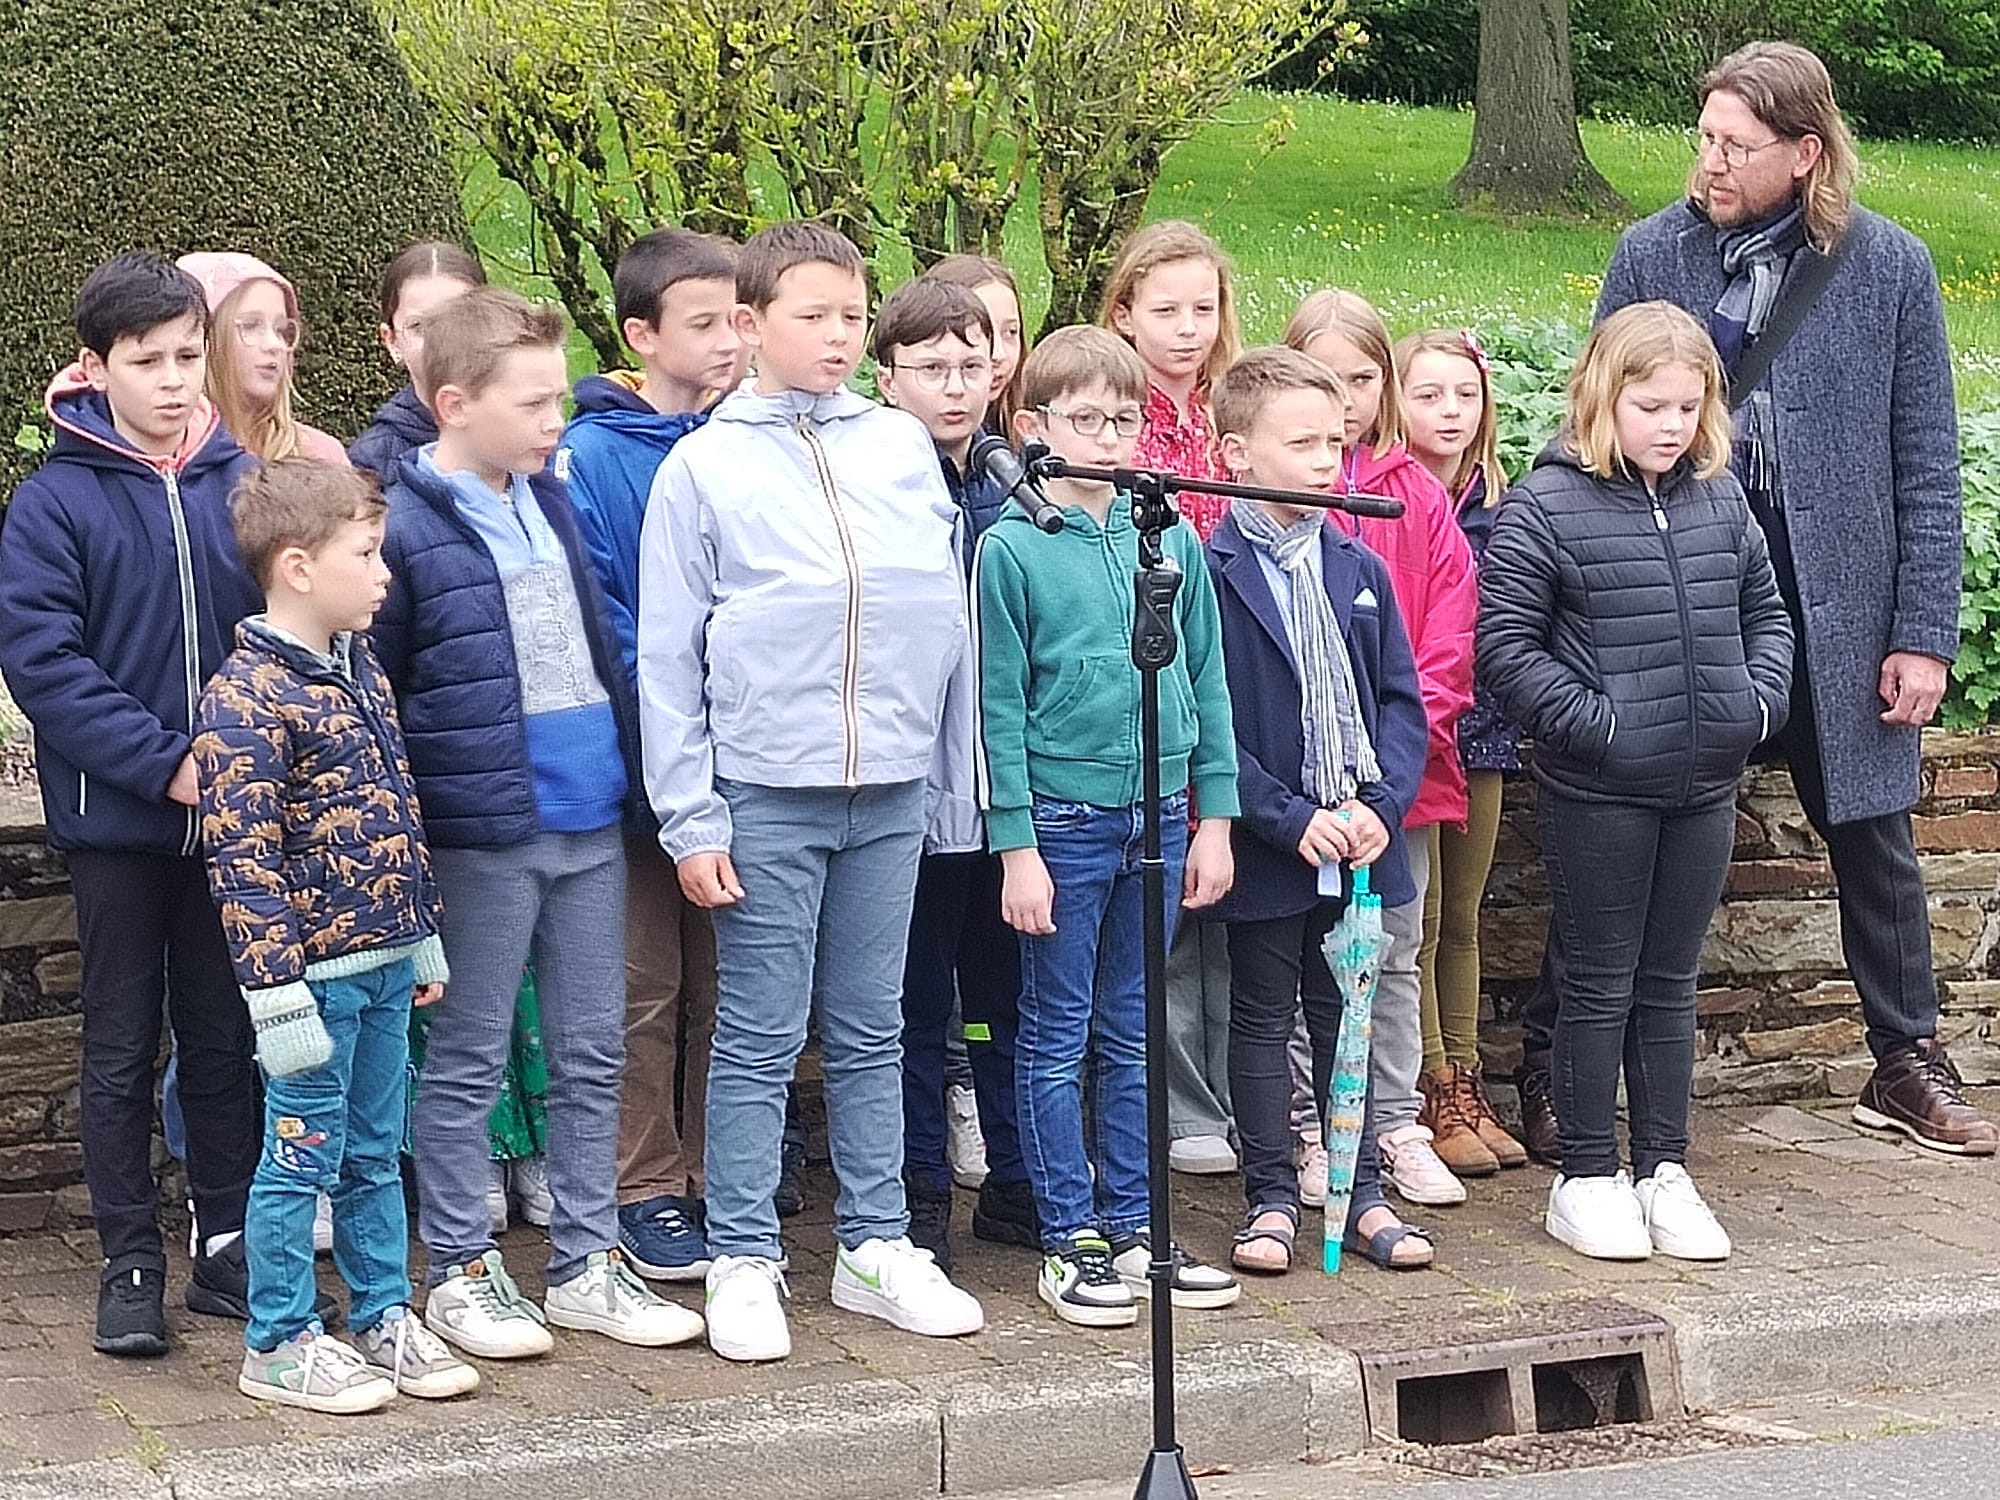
x=1023, y=1428
x=1745, y=1346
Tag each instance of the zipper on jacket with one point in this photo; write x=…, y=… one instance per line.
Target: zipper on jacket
x=850, y=662
x=190, y=656
x=1687, y=645
x=82, y=793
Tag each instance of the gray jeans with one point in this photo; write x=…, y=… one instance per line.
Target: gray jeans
x=560, y=899
x=1198, y=1031
x=1397, y=1052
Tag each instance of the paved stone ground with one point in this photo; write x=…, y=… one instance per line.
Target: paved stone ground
x=1814, y=1208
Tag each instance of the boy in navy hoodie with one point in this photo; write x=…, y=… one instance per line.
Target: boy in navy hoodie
x=120, y=589
x=674, y=291
x=517, y=713
x=934, y=360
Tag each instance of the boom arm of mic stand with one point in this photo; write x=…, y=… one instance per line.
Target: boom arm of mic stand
x=1381, y=507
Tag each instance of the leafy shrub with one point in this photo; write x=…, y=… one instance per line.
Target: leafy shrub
x=287, y=130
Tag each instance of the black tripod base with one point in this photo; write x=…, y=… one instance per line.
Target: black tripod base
x=1166, y=1477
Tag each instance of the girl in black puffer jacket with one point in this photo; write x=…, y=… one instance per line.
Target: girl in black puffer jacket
x=1630, y=621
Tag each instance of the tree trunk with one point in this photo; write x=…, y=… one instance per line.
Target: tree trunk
x=1527, y=156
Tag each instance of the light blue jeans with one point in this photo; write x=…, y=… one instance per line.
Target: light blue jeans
x=1083, y=1000
x=559, y=898
x=336, y=1129
x=828, y=877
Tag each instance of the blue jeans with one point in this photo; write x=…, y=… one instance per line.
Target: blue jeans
x=828, y=875
x=335, y=1129
x=1083, y=997
x=560, y=899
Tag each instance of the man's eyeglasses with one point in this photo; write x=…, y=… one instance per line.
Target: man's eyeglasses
x=935, y=374
x=1088, y=421
x=1735, y=154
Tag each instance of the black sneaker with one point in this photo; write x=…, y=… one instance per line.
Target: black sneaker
x=930, y=1224
x=790, y=1198
x=1004, y=1213
x=219, y=1285
x=131, y=1320
x=1084, y=1287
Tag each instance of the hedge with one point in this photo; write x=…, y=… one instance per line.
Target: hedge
x=285, y=128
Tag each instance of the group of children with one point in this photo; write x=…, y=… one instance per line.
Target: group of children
x=740, y=703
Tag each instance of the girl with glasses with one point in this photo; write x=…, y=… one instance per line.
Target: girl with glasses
x=254, y=333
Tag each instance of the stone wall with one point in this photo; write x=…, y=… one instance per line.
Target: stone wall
x=1778, y=1018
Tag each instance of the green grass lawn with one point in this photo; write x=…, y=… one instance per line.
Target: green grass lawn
x=1358, y=198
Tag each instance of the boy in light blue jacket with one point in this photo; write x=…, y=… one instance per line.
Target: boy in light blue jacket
x=804, y=682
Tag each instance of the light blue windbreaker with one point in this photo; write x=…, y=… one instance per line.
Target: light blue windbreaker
x=802, y=615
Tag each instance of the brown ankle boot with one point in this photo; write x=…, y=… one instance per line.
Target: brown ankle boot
x=1493, y=1135
x=1454, y=1136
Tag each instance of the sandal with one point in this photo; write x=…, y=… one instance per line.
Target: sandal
x=1249, y=1234
x=1379, y=1248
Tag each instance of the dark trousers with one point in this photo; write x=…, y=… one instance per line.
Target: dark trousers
x=151, y=940
x=1633, y=890
x=1885, y=927
x=1275, y=968
x=958, y=940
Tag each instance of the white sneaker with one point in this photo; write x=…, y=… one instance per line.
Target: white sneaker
x=606, y=1297
x=322, y=1225
x=895, y=1281
x=478, y=1308
x=1201, y=1156
x=1599, y=1217
x=415, y=1358
x=1411, y=1166
x=964, y=1142
x=1680, y=1224
x=746, y=1308
x=316, y=1372
x=496, y=1196
x=1083, y=1287
x=1196, y=1283
x=529, y=1179
x=1312, y=1175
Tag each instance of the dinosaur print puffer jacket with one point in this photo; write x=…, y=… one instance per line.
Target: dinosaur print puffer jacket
x=309, y=818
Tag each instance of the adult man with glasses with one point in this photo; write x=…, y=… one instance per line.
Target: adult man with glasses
x=1847, y=444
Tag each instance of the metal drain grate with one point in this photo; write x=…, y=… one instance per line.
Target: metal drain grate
x=1563, y=1368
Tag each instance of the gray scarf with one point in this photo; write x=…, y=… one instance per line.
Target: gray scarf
x=1755, y=259
x=1339, y=755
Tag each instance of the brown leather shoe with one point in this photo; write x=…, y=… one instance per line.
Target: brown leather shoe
x=1474, y=1105
x=1454, y=1136
x=1916, y=1090
x=1538, y=1116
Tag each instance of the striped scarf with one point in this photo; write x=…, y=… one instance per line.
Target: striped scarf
x=1339, y=754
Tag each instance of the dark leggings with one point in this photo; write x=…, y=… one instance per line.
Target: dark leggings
x=1633, y=892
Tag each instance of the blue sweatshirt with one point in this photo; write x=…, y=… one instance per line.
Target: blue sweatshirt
x=610, y=452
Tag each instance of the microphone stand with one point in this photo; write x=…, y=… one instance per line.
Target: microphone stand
x=1156, y=583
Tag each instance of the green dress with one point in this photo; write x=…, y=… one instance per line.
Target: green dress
x=519, y=1124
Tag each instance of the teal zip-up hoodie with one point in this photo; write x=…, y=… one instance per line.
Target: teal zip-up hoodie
x=1059, y=695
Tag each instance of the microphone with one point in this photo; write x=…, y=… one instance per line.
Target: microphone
x=1044, y=465
x=991, y=454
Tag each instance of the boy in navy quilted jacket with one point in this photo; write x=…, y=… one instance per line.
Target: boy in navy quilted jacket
x=317, y=862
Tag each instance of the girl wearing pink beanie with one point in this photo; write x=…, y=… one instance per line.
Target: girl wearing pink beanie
x=254, y=331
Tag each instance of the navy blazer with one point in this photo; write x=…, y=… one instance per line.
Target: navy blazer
x=1272, y=881
x=445, y=641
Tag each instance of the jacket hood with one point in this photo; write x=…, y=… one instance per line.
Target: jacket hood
x=1557, y=455
x=613, y=402
x=1117, y=520
x=744, y=404
x=406, y=415
x=86, y=433
x=221, y=272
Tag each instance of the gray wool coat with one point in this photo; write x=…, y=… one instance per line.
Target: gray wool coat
x=1868, y=465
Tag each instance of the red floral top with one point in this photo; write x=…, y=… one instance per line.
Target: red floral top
x=1187, y=448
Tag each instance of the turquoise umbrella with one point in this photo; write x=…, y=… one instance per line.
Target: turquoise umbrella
x=1354, y=953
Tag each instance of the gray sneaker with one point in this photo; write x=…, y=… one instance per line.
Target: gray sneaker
x=318, y=1372
x=408, y=1353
